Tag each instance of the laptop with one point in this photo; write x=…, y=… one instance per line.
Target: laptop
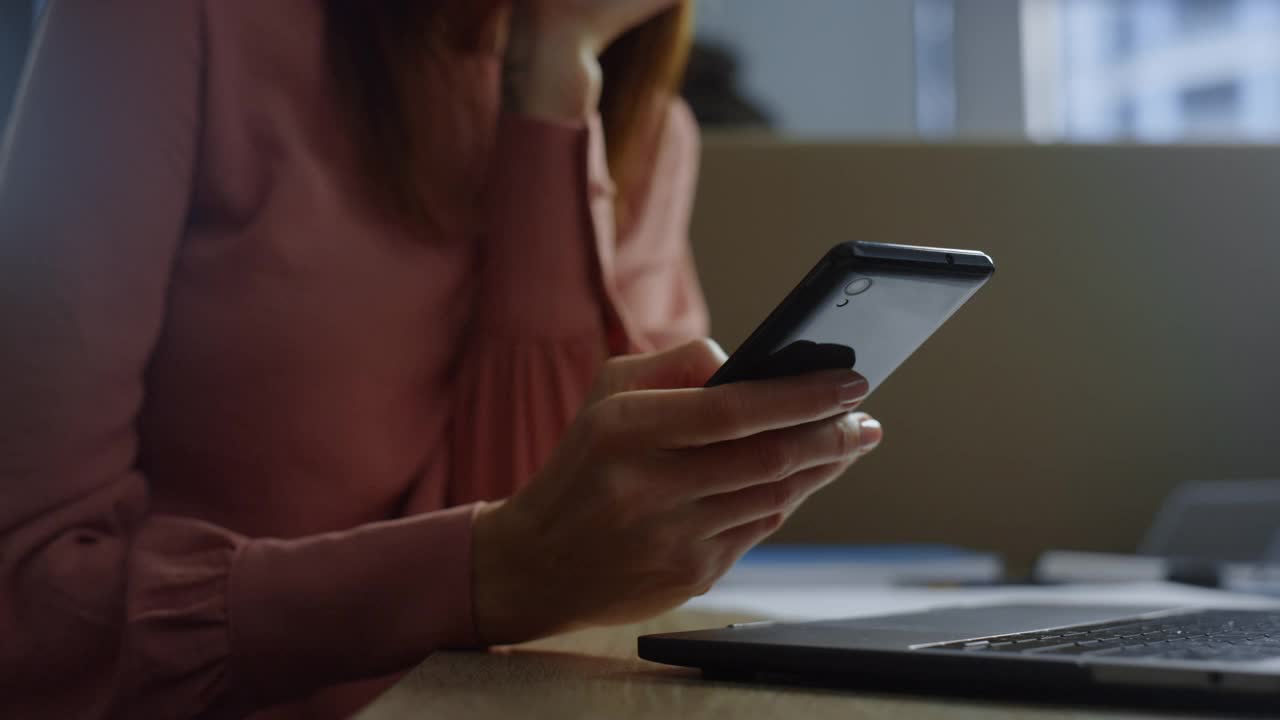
x=1073, y=651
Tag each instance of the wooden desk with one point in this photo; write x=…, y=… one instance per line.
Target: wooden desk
x=596, y=674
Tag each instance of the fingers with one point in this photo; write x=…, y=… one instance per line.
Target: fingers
x=738, y=540
x=720, y=513
x=687, y=366
x=703, y=416
x=769, y=457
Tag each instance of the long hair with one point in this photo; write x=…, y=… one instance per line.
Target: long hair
x=643, y=70
x=386, y=55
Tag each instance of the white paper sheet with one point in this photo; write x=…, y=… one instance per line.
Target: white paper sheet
x=825, y=603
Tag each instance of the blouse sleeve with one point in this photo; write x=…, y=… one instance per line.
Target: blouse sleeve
x=563, y=287
x=106, y=609
x=656, y=280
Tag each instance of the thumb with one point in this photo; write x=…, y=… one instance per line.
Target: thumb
x=686, y=366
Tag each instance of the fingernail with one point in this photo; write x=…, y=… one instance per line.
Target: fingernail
x=869, y=434
x=854, y=391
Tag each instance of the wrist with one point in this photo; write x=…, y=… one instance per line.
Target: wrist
x=552, y=75
x=505, y=580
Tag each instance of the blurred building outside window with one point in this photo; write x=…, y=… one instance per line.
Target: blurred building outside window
x=1044, y=70
x=1153, y=70
x=935, y=26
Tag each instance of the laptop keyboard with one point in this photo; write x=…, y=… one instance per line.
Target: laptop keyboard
x=1209, y=635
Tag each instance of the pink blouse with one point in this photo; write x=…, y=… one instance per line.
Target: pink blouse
x=241, y=413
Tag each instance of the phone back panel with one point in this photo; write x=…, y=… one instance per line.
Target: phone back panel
x=865, y=306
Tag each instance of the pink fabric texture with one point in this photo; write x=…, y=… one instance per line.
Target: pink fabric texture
x=242, y=414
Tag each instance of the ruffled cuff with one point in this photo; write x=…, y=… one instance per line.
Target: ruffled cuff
x=177, y=640
x=345, y=606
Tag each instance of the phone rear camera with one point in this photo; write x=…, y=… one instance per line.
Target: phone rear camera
x=951, y=259
x=858, y=286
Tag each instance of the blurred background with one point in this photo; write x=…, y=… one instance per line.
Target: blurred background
x=1039, y=70
x=1116, y=157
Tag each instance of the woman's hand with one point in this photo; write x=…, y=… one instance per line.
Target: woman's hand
x=656, y=489
x=551, y=68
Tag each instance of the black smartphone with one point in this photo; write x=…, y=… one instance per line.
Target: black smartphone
x=865, y=306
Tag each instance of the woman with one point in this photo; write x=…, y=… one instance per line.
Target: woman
x=291, y=300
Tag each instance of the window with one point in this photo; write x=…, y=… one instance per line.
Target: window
x=1124, y=32
x=1126, y=119
x=1195, y=16
x=1210, y=111
x=935, y=67
x=1045, y=70
x=1161, y=70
